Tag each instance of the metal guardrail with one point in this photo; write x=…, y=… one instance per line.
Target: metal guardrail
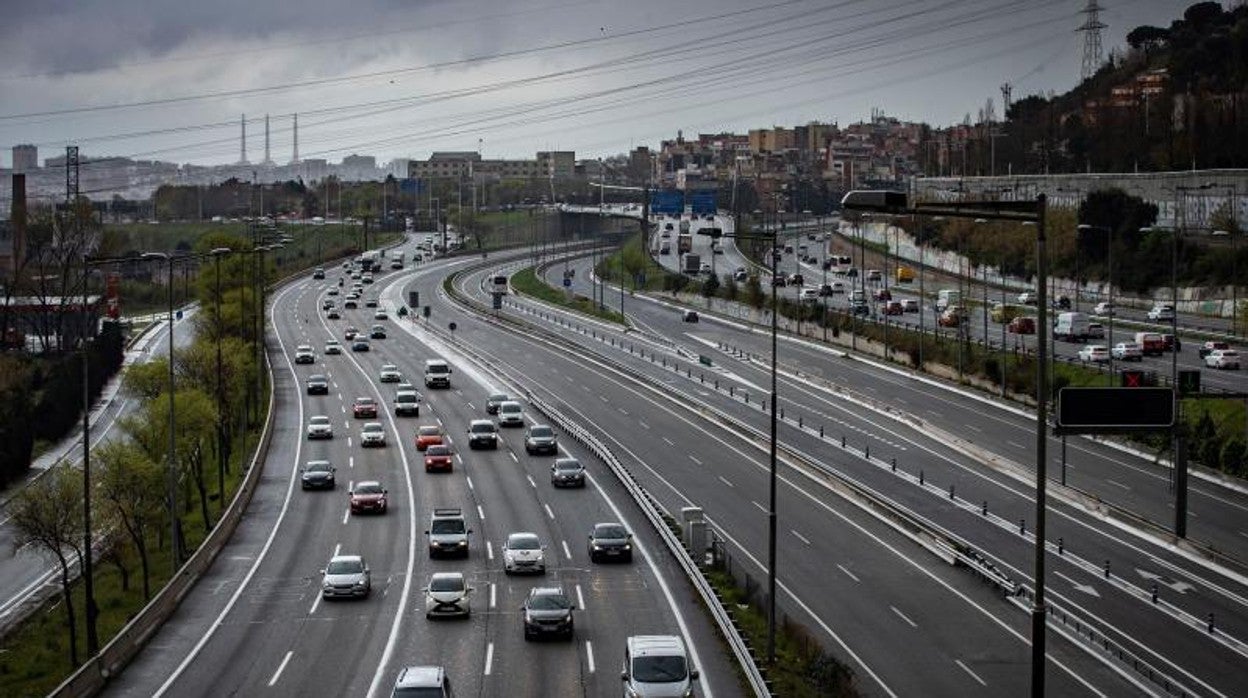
x=645, y=502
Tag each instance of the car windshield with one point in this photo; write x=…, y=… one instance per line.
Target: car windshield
x=438, y=451
x=568, y=466
x=320, y=420
x=482, y=427
x=446, y=584
x=436, y=368
x=345, y=567
x=389, y=367
x=405, y=397
x=316, y=379
x=368, y=488
x=523, y=543
x=659, y=669
x=445, y=526
x=541, y=431
x=364, y=401
x=318, y=467
x=372, y=426
x=428, y=431
x=548, y=602
x=609, y=531
x=511, y=407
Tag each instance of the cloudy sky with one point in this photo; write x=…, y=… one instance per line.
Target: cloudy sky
x=170, y=80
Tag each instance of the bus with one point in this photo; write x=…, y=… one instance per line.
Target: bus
x=840, y=263
x=498, y=283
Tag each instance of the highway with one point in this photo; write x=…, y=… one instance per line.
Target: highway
x=952, y=438
x=258, y=623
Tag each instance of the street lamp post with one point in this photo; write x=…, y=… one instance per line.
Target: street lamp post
x=88, y=574
x=1109, y=236
x=217, y=253
x=171, y=493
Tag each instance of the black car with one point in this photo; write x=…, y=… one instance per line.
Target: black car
x=567, y=472
x=859, y=308
x=610, y=541
x=378, y=332
x=318, y=385
x=482, y=433
x=690, y=316
x=360, y=344
x=494, y=400
x=317, y=475
x=547, y=611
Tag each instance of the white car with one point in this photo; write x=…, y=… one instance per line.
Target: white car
x=372, y=434
x=389, y=373
x=704, y=268
x=304, y=354
x=1223, y=358
x=320, y=428
x=1161, y=312
x=1028, y=298
x=809, y=295
x=510, y=414
x=380, y=315
x=447, y=595
x=1098, y=353
x=1103, y=308
x=524, y=552
x=1128, y=351
x=333, y=347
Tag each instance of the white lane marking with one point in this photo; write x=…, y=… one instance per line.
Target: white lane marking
x=903, y=617
x=459, y=458
x=603, y=398
x=439, y=421
x=493, y=594
x=531, y=483
x=471, y=408
x=1117, y=484
x=643, y=426
x=469, y=482
x=760, y=506
x=972, y=427
x=567, y=552
x=800, y=537
x=346, y=516
x=849, y=574
x=278, y=674
x=1244, y=534
x=549, y=513
x=480, y=512
x=726, y=481
x=489, y=658
x=580, y=600
x=348, y=442
x=350, y=461
x=695, y=460
x=669, y=441
x=589, y=655
x=513, y=456
x=489, y=550
x=622, y=411
x=968, y=670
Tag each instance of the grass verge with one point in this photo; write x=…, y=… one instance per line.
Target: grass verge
x=525, y=281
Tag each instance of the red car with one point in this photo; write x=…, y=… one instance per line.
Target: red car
x=438, y=457
x=883, y=294
x=894, y=308
x=368, y=497
x=1022, y=325
x=364, y=408
x=428, y=435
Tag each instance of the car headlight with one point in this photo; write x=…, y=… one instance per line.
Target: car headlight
x=626, y=546
x=325, y=584
x=597, y=547
x=689, y=692
x=462, y=544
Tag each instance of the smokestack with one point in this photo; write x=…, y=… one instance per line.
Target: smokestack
x=267, y=161
x=294, y=160
x=242, y=122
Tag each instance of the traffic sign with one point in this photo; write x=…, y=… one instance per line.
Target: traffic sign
x=427, y=311
x=669, y=201
x=1189, y=382
x=1114, y=410
x=567, y=283
x=498, y=301
x=413, y=298
x=1138, y=379
x=453, y=326
x=702, y=202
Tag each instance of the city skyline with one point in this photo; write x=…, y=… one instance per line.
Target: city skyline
x=512, y=80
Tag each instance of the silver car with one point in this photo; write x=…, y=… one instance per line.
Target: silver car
x=524, y=552
x=346, y=575
x=373, y=434
x=320, y=428
x=389, y=373
x=510, y=414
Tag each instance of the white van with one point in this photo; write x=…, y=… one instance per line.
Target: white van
x=437, y=374
x=947, y=297
x=657, y=665
x=1071, y=327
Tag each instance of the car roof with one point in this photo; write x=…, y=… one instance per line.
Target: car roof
x=646, y=645
x=419, y=676
x=347, y=558
x=522, y=535
x=477, y=422
x=547, y=591
x=447, y=575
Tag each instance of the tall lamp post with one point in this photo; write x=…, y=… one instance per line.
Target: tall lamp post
x=1109, y=237
x=217, y=254
x=171, y=494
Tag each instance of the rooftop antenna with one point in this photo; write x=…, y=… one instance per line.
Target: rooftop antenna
x=1091, y=30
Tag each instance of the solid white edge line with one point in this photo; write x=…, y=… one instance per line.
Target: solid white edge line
x=290, y=488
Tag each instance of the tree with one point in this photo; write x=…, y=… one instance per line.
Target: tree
x=1147, y=38
x=147, y=380
x=196, y=426
x=47, y=514
x=710, y=287
x=131, y=490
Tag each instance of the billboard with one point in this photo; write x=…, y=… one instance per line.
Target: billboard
x=1114, y=410
x=703, y=201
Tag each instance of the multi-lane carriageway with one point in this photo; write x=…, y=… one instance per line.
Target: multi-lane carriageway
x=903, y=620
